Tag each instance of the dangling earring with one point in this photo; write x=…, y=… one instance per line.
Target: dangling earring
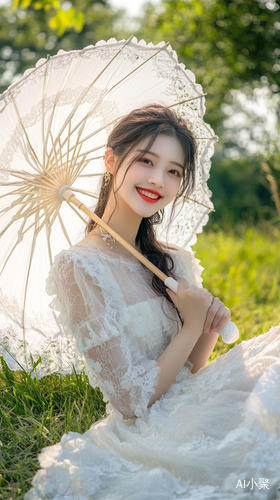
x=107, y=177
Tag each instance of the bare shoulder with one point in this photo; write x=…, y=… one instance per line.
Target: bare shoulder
x=92, y=239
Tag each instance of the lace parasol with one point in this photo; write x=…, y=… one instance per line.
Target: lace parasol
x=55, y=122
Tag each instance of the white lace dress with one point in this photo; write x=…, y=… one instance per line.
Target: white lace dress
x=215, y=434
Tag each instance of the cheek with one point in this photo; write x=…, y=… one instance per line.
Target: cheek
x=135, y=173
x=174, y=185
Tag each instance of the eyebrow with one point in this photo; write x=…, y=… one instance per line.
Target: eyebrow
x=151, y=153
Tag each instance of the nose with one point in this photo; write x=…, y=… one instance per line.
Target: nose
x=157, y=178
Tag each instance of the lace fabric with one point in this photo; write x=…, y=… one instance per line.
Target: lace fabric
x=106, y=313
x=220, y=447
x=211, y=431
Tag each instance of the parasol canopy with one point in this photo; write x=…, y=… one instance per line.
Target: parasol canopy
x=54, y=126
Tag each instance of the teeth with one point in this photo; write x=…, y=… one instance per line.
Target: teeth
x=148, y=194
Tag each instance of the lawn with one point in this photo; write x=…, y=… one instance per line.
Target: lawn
x=242, y=269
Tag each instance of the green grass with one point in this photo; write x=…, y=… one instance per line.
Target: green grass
x=36, y=413
x=241, y=269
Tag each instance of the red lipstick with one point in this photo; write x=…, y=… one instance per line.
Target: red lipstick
x=146, y=198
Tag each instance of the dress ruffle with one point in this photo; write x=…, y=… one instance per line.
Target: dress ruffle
x=213, y=435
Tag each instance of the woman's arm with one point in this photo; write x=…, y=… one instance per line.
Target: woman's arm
x=173, y=358
x=186, y=345
x=202, y=350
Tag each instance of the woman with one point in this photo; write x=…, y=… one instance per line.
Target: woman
x=176, y=428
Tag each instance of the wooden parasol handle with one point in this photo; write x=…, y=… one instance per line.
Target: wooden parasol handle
x=229, y=332
x=69, y=196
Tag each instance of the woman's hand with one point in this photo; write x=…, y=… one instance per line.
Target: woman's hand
x=193, y=303
x=217, y=316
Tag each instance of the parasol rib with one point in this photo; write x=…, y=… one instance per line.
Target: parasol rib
x=8, y=184
x=26, y=153
x=31, y=212
x=68, y=146
x=57, y=171
x=49, y=128
x=33, y=154
x=64, y=230
x=83, y=121
x=80, y=167
x=74, y=158
x=199, y=203
x=43, y=112
x=94, y=157
x=54, y=216
x=87, y=90
x=29, y=178
x=14, y=218
x=15, y=245
x=92, y=175
x=27, y=281
x=123, y=79
x=187, y=100
x=14, y=193
x=77, y=212
x=48, y=234
x=84, y=192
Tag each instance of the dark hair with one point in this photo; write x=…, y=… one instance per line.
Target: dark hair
x=150, y=121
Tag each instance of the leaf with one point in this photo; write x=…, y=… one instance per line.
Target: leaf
x=38, y=5
x=25, y=3
x=80, y=21
x=15, y=4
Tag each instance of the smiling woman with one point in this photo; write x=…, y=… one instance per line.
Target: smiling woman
x=175, y=427
x=142, y=152
x=155, y=171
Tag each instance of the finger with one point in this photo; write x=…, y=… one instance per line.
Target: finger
x=213, y=309
x=217, y=318
x=183, y=284
x=223, y=321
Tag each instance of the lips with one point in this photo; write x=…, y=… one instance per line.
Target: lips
x=150, y=191
x=146, y=198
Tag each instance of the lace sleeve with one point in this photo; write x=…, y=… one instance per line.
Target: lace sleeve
x=126, y=377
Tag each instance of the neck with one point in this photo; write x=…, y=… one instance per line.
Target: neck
x=124, y=221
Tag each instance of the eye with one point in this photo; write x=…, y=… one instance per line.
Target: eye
x=176, y=172
x=146, y=160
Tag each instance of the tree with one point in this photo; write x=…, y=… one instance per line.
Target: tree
x=26, y=36
x=61, y=18
x=225, y=43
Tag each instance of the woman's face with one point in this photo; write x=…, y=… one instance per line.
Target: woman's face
x=159, y=173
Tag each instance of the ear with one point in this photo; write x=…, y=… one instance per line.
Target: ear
x=110, y=161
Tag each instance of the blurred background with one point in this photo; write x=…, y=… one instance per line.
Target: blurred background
x=233, y=47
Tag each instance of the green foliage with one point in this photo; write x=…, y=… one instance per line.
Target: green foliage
x=226, y=44
x=67, y=19
x=61, y=19
x=272, y=151
x=241, y=192
x=25, y=35
x=241, y=269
